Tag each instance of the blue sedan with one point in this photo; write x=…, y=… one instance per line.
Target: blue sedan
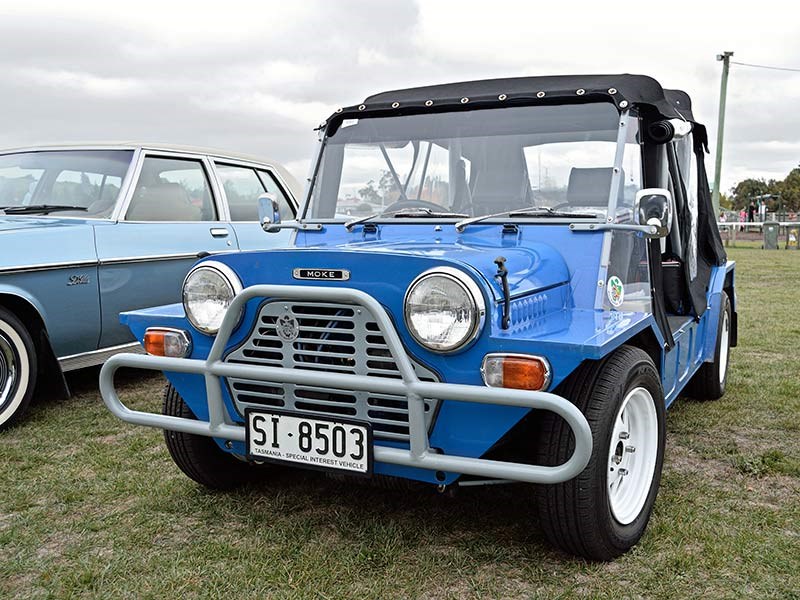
x=87, y=232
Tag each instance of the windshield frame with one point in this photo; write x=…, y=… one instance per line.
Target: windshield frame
x=135, y=153
x=626, y=118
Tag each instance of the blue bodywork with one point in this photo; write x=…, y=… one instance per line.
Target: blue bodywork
x=553, y=274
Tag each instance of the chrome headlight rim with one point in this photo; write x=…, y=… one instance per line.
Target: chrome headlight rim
x=230, y=278
x=473, y=292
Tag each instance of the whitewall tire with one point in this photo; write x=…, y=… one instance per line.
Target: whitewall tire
x=18, y=368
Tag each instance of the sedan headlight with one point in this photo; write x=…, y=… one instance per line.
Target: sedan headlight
x=444, y=309
x=208, y=291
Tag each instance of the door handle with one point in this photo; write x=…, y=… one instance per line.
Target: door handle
x=219, y=232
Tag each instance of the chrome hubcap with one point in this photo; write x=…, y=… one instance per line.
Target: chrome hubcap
x=632, y=454
x=8, y=370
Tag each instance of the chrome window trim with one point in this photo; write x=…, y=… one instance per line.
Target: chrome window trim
x=470, y=286
x=67, y=148
x=96, y=357
x=220, y=189
x=126, y=193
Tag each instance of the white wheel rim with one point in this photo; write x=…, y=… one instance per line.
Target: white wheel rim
x=724, y=337
x=8, y=369
x=632, y=454
x=13, y=371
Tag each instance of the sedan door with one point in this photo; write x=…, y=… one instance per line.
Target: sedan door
x=242, y=185
x=170, y=215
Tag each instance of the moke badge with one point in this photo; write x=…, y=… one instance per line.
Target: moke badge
x=287, y=327
x=322, y=274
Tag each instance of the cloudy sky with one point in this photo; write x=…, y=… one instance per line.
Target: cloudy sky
x=258, y=77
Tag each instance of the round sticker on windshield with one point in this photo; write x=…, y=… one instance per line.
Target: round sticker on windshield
x=615, y=291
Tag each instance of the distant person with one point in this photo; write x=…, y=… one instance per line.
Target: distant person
x=751, y=212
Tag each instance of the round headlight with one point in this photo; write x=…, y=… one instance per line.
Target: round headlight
x=208, y=291
x=444, y=309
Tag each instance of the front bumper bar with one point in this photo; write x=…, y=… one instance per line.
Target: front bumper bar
x=419, y=454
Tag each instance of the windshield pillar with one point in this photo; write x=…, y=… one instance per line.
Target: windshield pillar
x=627, y=133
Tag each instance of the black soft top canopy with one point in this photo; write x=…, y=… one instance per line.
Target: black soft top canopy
x=622, y=90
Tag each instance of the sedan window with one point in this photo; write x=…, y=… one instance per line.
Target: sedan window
x=243, y=187
x=88, y=180
x=82, y=188
x=172, y=189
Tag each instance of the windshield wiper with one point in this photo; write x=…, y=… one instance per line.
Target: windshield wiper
x=421, y=212
x=542, y=211
x=39, y=208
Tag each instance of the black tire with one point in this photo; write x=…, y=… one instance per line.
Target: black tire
x=199, y=457
x=708, y=383
x=18, y=368
x=576, y=515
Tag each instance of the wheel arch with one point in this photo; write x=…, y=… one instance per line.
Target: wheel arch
x=28, y=311
x=729, y=287
x=648, y=341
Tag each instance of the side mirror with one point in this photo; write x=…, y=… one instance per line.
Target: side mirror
x=653, y=206
x=269, y=213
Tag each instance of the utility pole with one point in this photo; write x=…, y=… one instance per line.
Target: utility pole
x=725, y=57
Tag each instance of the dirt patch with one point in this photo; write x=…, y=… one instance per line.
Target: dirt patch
x=681, y=458
x=5, y=520
x=119, y=436
x=759, y=440
x=56, y=545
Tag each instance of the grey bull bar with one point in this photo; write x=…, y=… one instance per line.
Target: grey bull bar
x=419, y=453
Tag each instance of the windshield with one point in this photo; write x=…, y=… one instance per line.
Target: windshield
x=88, y=180
x=476, y=163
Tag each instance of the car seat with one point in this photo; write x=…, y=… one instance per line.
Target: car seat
x=162, y=202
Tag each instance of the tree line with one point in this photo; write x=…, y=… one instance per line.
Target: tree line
x=785, y=193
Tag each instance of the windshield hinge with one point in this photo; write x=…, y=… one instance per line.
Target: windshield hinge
x=510, y=229
x=502, y=275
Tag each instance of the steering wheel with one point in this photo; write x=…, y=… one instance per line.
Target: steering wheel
x=403, y=204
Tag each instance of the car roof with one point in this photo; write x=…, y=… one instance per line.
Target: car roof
x=623, y=90
x=623, y=87
x=287, y=177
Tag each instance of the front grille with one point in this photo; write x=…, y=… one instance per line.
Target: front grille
x=339, y=338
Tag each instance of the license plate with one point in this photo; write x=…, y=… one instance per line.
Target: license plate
x=319, y=443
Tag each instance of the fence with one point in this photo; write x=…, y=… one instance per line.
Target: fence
x=771, y=234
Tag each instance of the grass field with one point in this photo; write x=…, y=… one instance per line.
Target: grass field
x=93, y=507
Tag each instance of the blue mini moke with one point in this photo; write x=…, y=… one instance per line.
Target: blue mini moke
x=492, y=281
